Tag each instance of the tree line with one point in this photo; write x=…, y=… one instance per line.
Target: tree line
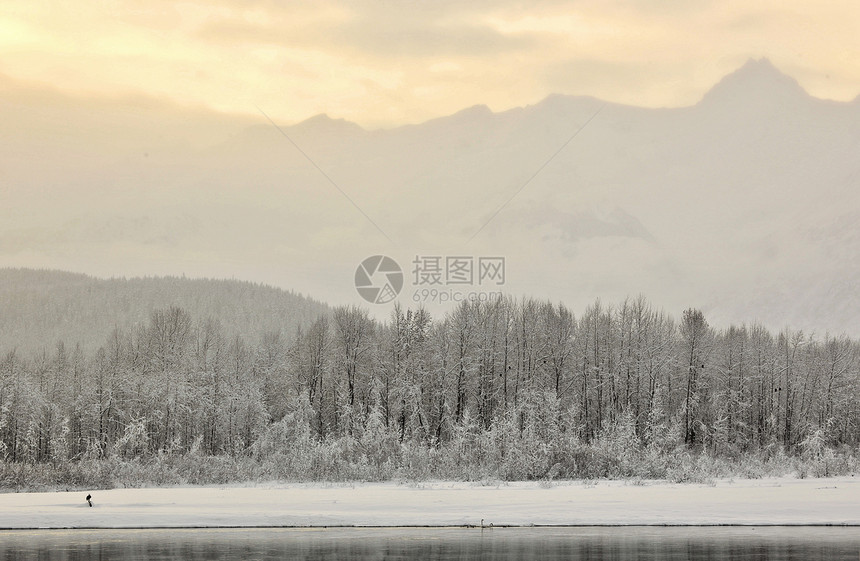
x=516, y=388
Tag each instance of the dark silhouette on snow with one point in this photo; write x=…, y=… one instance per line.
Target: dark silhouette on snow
x=89, y=500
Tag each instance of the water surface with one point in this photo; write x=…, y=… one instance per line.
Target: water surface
x=439, y=544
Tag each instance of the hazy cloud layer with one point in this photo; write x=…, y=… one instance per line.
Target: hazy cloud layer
x=385, y=62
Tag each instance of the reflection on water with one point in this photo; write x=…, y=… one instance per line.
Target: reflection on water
x=438, y=544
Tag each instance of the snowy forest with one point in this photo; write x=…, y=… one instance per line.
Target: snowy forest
x=511, y=389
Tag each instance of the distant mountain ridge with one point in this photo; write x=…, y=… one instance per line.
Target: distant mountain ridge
x=40, y=308
x=745, y=205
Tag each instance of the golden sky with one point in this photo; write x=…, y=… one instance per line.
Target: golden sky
x=384, y=63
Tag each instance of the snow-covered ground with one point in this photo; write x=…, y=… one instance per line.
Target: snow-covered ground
x=761, y=502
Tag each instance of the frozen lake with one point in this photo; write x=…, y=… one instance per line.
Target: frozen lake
x=442, y=544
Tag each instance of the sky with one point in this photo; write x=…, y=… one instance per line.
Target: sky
x=133, y=144
x=385, y=63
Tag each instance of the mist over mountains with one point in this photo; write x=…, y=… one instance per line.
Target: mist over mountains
x=744, y=205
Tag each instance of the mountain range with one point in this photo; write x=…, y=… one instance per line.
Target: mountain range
x=745, y=205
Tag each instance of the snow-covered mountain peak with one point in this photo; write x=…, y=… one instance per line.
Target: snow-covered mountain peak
x=324, y=124
x=757, y=82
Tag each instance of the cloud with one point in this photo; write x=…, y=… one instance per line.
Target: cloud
x=432, y=39
x=394, y=62
x=371, y=32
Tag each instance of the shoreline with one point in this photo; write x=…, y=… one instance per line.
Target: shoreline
x=431, y=527
x=782, y=502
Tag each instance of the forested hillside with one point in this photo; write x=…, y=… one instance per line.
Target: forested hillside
x=40, y=308
x=511, y=389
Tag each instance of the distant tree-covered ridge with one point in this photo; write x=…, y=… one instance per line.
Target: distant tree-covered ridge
x=509, y=389
x=38, y=308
